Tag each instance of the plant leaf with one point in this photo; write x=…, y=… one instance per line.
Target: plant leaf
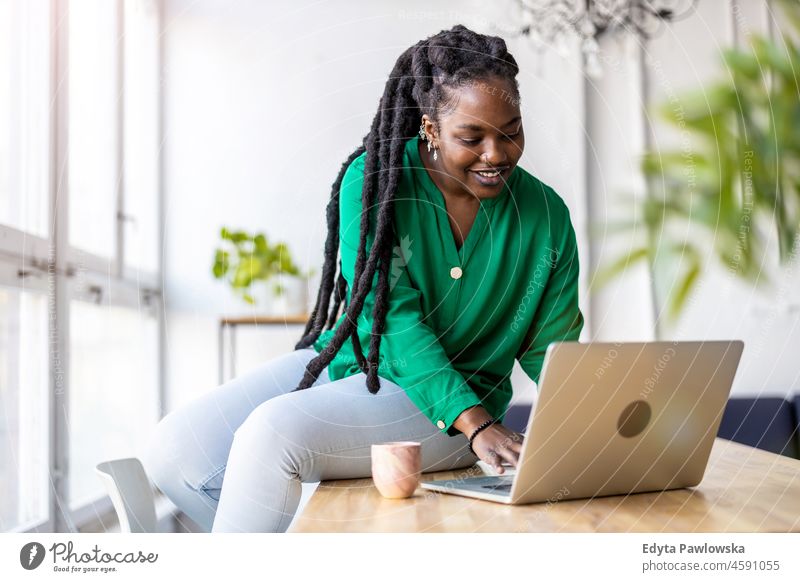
x=678, y=299
x=604, y=275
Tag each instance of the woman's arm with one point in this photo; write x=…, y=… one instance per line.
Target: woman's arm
x=557, y=317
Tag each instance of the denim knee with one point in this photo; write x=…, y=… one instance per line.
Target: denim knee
x=161, y=454
x=275, y=433
x=171, y=459
x=183, y=472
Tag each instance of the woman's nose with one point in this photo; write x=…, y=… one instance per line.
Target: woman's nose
x=494, y=155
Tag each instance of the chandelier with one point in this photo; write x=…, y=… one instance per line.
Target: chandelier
x=547, y=22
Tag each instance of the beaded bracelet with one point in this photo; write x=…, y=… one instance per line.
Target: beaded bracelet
x=484, y=425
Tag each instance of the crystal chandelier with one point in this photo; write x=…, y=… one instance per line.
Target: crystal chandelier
x=547, y=22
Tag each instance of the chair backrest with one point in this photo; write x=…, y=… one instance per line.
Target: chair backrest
x=130, y=491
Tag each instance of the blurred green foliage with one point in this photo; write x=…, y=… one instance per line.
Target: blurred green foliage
x=736, y=174
x=245, y=258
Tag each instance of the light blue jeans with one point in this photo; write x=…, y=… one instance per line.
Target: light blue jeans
x=234, y=458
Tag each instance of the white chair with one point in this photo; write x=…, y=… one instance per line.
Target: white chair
x=130, y=491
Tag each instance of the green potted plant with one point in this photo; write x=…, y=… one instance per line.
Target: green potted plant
x=741, y=179
x=261, y=273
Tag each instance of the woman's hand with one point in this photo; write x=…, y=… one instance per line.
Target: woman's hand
x=492, y=444
x=496, y=443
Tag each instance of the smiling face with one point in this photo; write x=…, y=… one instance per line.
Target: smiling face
x=479, y=142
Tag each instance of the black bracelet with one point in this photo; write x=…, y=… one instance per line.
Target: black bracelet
x=484, y=425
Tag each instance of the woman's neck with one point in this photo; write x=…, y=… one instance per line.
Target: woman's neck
x=453, y=194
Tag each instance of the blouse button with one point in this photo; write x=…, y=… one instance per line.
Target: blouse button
x=456, y=272
x=440, y=424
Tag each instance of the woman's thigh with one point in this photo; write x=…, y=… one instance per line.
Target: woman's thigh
x=192, y=443
x=321, y=433
x=326, y=432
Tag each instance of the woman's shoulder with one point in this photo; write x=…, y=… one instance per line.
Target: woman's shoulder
x=357, y=165
x=535, y=195
x=409, y=163
x=409, y=155
x=355, y=169
x=353, y=179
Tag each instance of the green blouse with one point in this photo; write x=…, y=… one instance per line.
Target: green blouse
x=459, y=317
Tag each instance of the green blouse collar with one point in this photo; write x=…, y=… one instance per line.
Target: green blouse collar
x=430, y=186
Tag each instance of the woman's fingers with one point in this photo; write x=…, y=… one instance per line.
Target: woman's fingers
x=514, y=446
x=503, y=445
x=497, y=455
x=509, y=455
x=497, y=461
x=511, y=448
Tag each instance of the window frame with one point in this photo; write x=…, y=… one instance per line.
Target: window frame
x=52, y=266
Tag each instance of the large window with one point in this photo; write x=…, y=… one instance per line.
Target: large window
x=92, y=128
x=24, y=426
x=142, y=143
x=24, y=112
x=113, y=404
x=80, y=301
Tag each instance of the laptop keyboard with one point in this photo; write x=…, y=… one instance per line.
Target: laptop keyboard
x=496, y=483
x=498, y=487
x=499, y=484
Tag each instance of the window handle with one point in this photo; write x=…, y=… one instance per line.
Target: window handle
x=122, y=217
x=97, y=291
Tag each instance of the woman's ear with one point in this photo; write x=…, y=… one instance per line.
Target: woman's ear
x=430, y=129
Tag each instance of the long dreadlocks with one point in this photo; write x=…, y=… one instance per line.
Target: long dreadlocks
x=424, y=80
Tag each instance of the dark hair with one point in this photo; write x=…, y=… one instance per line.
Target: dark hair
x=424, y=80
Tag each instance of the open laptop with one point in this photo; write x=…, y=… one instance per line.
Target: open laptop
x=615, y=418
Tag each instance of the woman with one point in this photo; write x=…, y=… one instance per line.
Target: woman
x=463, y=263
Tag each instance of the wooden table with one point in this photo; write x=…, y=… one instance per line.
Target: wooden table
x=743, y=490
x=231, y=323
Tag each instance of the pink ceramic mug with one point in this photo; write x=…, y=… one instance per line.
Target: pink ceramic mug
x=396, y=468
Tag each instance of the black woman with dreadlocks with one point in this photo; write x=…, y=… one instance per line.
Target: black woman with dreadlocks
x=445, y=262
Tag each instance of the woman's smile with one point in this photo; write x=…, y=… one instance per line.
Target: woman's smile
x=491, y=178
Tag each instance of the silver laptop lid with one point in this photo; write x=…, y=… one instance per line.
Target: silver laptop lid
x=616, y=418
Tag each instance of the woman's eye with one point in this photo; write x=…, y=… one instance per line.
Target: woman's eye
x=474, y=141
